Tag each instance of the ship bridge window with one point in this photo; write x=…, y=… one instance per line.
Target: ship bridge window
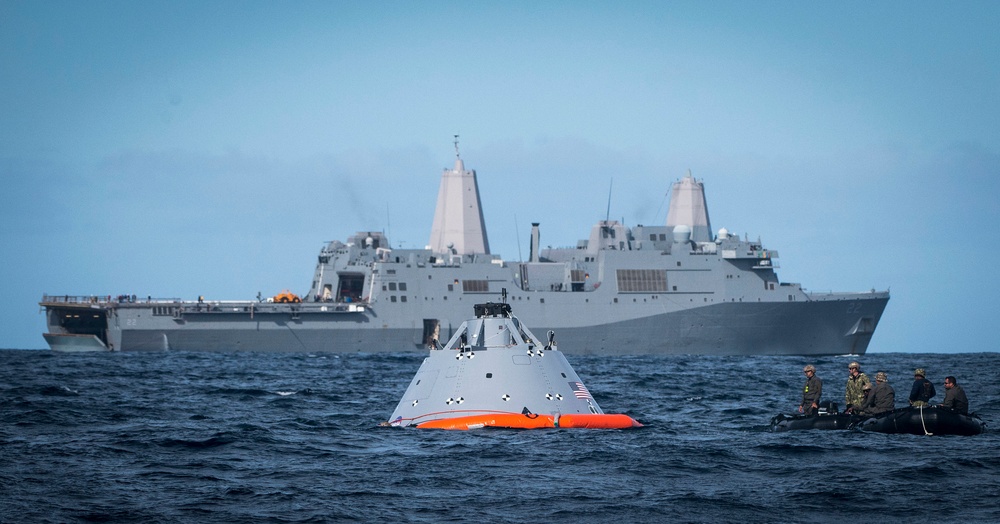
x=641, y=280
x=392, y=286
x=402, y=286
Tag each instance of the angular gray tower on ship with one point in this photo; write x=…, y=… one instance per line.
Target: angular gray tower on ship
x=459, y=227
x=689, y=208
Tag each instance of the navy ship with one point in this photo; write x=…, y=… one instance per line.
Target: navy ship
x=676, y=288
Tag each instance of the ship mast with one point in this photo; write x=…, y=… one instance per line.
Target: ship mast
x=459, y=227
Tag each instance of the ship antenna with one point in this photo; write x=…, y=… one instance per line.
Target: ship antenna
x=656, y=217
x=607, y=215
x=517, y=232
x=456, y=147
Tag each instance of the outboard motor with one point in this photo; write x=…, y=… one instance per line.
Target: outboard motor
x=828, y=407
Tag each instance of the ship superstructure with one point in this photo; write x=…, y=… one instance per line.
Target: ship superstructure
x=676, y=288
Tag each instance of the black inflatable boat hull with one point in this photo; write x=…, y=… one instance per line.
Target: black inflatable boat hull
x=821, y=421
x=930, y=420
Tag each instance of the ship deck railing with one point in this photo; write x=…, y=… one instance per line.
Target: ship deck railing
x=178, y=306
x=842, y=295
x=103, y=300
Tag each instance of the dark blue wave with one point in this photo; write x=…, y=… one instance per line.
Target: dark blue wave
x=192, y=437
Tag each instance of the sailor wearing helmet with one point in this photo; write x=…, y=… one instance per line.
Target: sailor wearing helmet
x=856, y=382
x=882, y=397
x=923, y=390
x=811, y=392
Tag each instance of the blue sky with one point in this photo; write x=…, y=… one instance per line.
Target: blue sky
x=178, y=149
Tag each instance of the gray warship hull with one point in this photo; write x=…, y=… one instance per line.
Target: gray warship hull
x=828, y=324
x=671, y=289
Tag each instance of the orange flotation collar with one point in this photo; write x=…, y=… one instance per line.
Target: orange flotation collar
x=532, y=421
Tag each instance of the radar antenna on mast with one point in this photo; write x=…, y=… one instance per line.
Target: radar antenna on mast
x=456, y=146
x=607, y=215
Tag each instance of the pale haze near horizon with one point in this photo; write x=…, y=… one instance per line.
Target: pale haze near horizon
x=179, y=149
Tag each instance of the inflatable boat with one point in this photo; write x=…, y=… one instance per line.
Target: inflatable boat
x=826, y=417
x=784, y=422
x=925, y=420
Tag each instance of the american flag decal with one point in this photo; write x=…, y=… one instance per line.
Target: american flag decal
x=579, y=390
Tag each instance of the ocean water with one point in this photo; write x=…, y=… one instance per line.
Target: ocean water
x=240, y=437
